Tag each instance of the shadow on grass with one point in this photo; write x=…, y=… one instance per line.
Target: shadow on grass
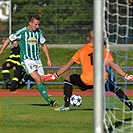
x=76, y=108
x=116, y=109
x=39, y=104
x=81, y=109
x=117, y=124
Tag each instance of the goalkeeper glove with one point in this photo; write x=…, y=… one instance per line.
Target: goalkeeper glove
x=128, y=77
x=50, y=77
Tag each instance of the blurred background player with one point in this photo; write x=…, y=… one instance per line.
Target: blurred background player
x=29, y=38
x=84, y=81
x=130, y=3
x=12, y=62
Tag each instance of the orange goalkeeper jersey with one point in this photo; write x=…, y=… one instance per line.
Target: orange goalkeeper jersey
x=84, y=56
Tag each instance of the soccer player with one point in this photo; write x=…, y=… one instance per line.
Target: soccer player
x=84, y=81
x=29, y=38
x=12, y=62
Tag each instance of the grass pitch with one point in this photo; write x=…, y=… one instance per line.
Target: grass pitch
x=33, y=115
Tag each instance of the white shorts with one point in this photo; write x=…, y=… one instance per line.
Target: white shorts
x=33, y=65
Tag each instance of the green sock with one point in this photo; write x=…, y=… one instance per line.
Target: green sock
x=41, y=88
x=28, y=77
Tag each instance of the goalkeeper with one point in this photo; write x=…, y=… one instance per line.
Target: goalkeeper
x=84, y=81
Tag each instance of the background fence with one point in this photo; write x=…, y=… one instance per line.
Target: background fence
x=62, y=22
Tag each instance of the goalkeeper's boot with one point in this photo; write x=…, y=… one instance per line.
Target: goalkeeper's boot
x=131, y=107
x=53, y=103
x=63, y=108
x=129, y=104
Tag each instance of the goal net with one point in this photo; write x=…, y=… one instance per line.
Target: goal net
x=118, y=30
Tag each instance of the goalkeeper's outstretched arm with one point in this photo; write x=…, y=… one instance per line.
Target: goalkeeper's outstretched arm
x=62, y=70
x=120, y=71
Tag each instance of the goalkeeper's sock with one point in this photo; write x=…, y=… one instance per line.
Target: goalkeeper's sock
x=123, y=97
x=41, y=88
x=67, y=92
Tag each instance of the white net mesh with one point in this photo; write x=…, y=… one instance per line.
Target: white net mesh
x=119, y=38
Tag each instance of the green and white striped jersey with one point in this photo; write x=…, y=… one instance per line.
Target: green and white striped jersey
x=29, y=43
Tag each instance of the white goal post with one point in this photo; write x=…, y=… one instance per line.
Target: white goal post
x=113, y=21
x=98, y=67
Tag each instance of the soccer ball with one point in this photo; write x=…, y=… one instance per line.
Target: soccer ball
x=75, y=100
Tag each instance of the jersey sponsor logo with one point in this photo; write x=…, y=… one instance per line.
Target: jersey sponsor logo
x=32, y=41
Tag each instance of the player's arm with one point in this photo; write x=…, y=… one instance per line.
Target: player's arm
x=117, y=68
x=45, y=50
x=120, y=71
x=65, y=67
x=62, y=70
x=11, y=38
x=6, y=43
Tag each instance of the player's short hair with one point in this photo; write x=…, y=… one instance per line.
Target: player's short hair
x=31, y=18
